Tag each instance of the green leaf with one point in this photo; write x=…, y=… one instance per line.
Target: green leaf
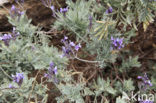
x=120, y=100
x=104, y=86
x=130, y=63
x=87, y=91
x=128, y=85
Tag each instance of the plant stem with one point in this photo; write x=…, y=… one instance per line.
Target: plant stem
x=6, y=73
x=88, y=61
x=33, y=86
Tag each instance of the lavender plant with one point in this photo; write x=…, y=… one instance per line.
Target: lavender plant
x=107, y=49
x=24, y=51
x=74, y=18
x=21, y=90
x=131, y=11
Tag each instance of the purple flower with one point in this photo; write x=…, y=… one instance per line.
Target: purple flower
x=66, y=51
x=52, y=70
x=90, y=22
x=69, y=47
x=117, y=43
x=51, y=65
x=52, y=7
x=77, y=47
x=53, y=10
x=72, y=43
x=47, y=75
x=65, y=37
x=21, y=13
x=14, y=33
x=13, y=8
x=15, y=12
x=6, y=38
x=64, y=40
x=145, y=81
x=55, y=70
x=64, y=10
x=18, y=78
x=109, y=10
x=11, y=86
